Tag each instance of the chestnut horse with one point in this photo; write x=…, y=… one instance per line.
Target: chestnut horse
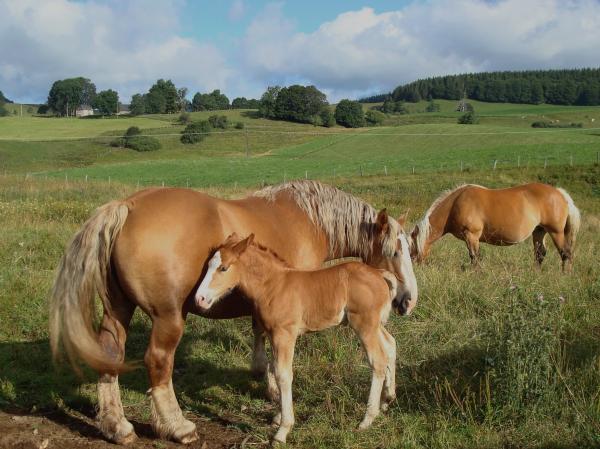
x=501, y=217
x=290, y=302
x=150, y=250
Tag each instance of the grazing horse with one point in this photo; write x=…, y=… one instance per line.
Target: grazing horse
x=289, y=302
x=501, y=217
x=150, y=251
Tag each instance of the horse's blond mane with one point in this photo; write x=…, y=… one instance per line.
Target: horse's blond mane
x=424, y=225
x=344, y=219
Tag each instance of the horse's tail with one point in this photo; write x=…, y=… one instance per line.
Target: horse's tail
x=84, y=271
x=391, y=281
x=573, y=220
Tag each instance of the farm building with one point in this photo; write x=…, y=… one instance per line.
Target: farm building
x=84, y=110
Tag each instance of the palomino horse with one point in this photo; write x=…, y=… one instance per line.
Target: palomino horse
x=290, y=302
x=149, y=250
x=501, y=217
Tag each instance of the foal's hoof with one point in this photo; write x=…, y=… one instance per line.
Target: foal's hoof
x=119, y=432
x=127, y=439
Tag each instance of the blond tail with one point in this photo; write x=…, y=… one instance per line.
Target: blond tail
x=83, y=272
x=573, y=221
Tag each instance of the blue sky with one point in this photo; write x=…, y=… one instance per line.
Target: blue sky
x=348, y=49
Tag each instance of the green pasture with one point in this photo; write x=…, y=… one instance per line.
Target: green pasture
x=480, y=363
x=503, y=357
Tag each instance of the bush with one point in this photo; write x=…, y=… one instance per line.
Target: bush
x=327, y=118
x=542, y=124
x=468, y=118
x=374, y=118
x=143, y=143
x=218, y=121
x=239, y=125
x=132, y=131
x=350, y=114
x=432, y=107
x=184, y=118
x=195, y=132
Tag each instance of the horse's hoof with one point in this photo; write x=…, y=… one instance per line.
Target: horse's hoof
x=127, y=439
x=187, y=433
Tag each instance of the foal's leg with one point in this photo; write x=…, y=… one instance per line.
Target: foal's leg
x=113, y=332
x=389, y=385
x=539, y=246
x=565, y=252
x=376, y=354
x=259, y=356
x=283, y=343
x=168, y=421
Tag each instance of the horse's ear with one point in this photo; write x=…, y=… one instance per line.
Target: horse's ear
x=240, y=247
x=402, y=218
x=382, y=221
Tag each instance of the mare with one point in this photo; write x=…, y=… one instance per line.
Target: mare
x=501, y=217
x=150, y=251
x=289, y=302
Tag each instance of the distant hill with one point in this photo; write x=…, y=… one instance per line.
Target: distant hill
x=561, y=87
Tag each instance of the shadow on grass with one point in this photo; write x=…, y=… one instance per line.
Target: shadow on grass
x=30, y=384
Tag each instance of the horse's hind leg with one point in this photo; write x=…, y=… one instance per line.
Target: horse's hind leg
x=113, y=332
x=472, y=241
x=539, y=246
x=565, y=252
x=167, y=419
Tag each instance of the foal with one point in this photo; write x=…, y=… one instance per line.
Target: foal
x=291, y=302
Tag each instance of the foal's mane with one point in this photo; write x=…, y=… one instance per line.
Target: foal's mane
x=424, y=225
x=345, y=219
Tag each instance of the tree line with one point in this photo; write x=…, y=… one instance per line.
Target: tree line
x=3, y=101
x=560, y=87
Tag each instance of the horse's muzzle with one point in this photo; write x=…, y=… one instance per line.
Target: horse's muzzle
x=402, y=304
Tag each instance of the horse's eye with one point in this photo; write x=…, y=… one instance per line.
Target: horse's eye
x=396, y=254
x=222, y=268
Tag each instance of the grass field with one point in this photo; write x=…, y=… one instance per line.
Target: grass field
x=479, y=364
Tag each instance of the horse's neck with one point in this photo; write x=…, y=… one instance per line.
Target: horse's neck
x=259, y=272
x=438, y=218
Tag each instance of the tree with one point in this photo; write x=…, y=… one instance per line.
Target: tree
x=67, y=95
x=138, y=104
x=266, y=107
x=350, y=114
x=182, y=102
x=3, y=111
x=162, y=98
x=210, y=102
x=299, y=103
x=106, y=102
x=218, y=121
x=468, y=118
x=327, y=118
x=432, y=107
x=43, y=109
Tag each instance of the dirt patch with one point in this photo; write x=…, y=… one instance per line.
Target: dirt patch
x=62, y=430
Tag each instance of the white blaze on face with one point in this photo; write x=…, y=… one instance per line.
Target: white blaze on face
x=408, y=274
x=204, y=295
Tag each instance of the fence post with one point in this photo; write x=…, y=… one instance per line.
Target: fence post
x=284, y=176
x=306, y=174
x=163, y=183
x=86, y=176
x=413, y=171
x=545, y=162
x=571, y=160
x=247, y=147
x=109, y=180
x=519, y=161
x=138, y=184
x=385, y=169
x=495, y=162
x=187, y=183
x=360, y=169
x=461, y=166
x=334, y=172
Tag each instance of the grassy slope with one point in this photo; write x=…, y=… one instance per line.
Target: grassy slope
x=442, y=358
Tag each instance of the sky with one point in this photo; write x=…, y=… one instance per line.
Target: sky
x=348, y=49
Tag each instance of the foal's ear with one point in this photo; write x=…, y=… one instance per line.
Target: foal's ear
x=233, y=237
x=240, y=247
x=382, y=220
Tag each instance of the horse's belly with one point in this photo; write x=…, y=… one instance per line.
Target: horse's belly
x=503, y=237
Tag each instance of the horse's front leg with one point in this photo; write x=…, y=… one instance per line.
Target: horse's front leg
x=283, y=343
x=472, y=241
x=167, y=419
x=259, y=355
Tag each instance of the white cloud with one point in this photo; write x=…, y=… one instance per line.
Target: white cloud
x=363, y=51
x=120, y=45
x=236, y=10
